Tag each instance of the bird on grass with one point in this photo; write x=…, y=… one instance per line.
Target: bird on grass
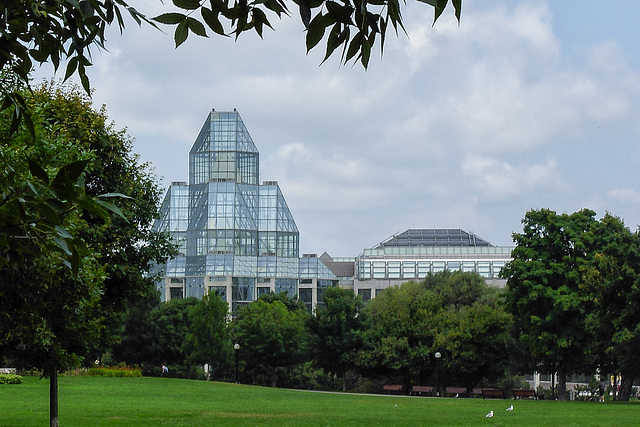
x=510, y=408
x=489, y=415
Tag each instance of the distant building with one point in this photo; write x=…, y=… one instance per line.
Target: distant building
x=237, y=237
x=413, y=254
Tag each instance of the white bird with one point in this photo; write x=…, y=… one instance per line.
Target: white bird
x=510, y=408
x=395, y=406
x=489, y=415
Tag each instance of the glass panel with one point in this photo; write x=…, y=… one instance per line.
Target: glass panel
x=379, y=269
x=365, y=294
x=176, y=293
x=219, y=290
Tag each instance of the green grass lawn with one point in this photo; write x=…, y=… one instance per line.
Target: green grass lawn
x=98, y=401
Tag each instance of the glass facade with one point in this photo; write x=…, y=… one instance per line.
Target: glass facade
x=234, y=234
x=415, y=253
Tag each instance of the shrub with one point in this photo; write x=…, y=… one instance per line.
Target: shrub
x=114, y=372
x=10, y=379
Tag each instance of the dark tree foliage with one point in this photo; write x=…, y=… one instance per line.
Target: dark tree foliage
x=611, y=290
x=272, y=336
x=544, y=280
x=452, y=313
x=125, y=245
x=337, y=329
x=51, y=215
x=208, y=340
x=171, y=321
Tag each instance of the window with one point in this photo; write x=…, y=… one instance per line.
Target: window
x=176, y=293
x=424, y=268
x=438, y=266
x=365, y=294
x=453, y=265
x=306, y=296
x=468, y=266
x=379, y=269
x=394, y=269
x=219, y=290
x=262, y=290
x=497, y=266
x=408, y=269
x=484, y=268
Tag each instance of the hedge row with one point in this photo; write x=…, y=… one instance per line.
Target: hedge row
x=10, y=379
x=114, y=372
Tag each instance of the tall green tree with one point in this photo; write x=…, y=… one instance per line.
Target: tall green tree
x=472, y=328
x=543, y=282
x=400, y=334
x=337, y=329
x=455, y=314
x=48, y=214
x=171, y=320
x=208, y=338
x=611, y=290
x=50, y=283
x=271, y=336
x=126, y=245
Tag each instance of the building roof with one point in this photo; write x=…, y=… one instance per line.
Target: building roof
x=433, y=237
x=338, y=268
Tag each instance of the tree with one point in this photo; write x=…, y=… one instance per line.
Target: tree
x=208, y=338
x=271, y=337
x=337, y=331
x=172, y=324
x=139, y=336
x=472, y=328
x=126, y=245
x=48, y=221
x=399, y=335
x=49, y=310
x=611, y=292
x=455, y=314
x=543, y=284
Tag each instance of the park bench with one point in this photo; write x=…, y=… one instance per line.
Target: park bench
x=477, y=392
x=392, y=388
x=456, y=391
x=525, y=393
x=421, y=390
x=492, y=393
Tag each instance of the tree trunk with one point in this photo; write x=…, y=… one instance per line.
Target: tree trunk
x=53, y=396
x=562, y=381
x=344, y=381
x=626, y=387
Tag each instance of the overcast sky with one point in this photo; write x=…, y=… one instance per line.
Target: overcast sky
x=525, y=104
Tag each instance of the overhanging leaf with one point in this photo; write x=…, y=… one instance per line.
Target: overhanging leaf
x=182, y=32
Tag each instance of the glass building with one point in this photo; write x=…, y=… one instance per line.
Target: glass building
x=236, y=237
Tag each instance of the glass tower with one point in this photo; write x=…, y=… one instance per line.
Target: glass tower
x=237, y=237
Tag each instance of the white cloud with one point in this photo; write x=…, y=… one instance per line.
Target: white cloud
x=499, y=180
x=464, y=125
x=625, y=195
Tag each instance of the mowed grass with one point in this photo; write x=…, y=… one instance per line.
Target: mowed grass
x=96, y=401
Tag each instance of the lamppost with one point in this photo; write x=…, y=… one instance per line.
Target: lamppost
x=438, y=356
x=236, y=347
